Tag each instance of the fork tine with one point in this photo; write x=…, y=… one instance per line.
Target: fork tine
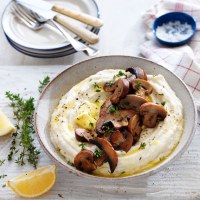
x=21, y=18
x=25, y=12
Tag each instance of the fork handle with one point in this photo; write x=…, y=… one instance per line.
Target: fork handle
x=85, y=18
x=83, y=33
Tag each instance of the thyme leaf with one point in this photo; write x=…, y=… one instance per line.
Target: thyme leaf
x=43, y=83
x=2, y=162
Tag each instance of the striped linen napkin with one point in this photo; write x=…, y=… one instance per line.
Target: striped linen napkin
x=184, y=61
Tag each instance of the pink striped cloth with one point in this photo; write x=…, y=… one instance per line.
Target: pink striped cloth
x=184, y=61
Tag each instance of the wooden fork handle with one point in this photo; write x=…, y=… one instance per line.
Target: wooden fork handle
x=85, y=18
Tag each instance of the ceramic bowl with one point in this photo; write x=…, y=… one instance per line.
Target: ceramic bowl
x=71, y=76
x=173, y=17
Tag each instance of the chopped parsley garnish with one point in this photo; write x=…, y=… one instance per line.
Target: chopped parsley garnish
x=2, y=162
x=98, y=90
x=3, y=186
x=82, y=145
x=97, y=153
x=108, y=128
x=113, y=109
x=161, y=94
x=96, y=85
x=142, y=145
x=139, y=83
x=123, y=172
x=140, y=158
x=120, y=73
x=163, y=103
x=43, y=83
x=111, y=83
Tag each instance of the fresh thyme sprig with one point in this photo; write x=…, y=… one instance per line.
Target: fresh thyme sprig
x=23, y=112
x=43, y=83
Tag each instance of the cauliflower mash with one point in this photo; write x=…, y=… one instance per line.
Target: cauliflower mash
x=80, y=107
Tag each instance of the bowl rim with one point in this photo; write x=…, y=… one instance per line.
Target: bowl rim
x=154, y=27
x=145, y=173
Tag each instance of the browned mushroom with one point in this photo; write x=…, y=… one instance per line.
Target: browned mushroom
x=137, y=84
x=152, y=114
x=111, y=155
x=122, y=140
x=135, y=128
x=109, y=87
x=121, y=90
x=132, y=101
x=105, y=107
x=84, y=161
x=138, y=72
x=99, y=161
x=113, y=121
x=83, y=135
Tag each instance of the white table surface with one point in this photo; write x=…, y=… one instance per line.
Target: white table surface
x=122, y=33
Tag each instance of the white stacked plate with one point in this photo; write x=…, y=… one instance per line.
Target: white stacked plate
x=47, y=42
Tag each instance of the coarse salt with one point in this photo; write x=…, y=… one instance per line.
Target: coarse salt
x=174, y=31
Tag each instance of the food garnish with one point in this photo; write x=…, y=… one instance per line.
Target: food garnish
x=163, y=103
x=120, y=73
x=43, y=83
x=35, y=183
x=97, y=153
x=142, y=145
x=82, y=145
x=6, y=127
x=23, y=111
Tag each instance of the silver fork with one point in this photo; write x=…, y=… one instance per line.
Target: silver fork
x=28, y=20
x=35, y=22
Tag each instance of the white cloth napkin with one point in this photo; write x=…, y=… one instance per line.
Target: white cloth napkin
x=184, y=61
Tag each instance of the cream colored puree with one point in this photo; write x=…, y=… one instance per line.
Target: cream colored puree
x=80, y=107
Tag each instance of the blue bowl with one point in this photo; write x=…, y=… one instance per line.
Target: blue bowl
x=172, y=17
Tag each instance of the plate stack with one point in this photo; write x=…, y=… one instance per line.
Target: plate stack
x=47, y=42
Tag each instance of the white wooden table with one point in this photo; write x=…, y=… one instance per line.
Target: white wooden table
x=122, y=33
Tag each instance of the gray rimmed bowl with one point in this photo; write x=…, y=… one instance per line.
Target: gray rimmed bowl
x=63, y=82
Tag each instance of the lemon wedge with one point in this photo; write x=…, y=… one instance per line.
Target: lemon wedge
x=6, y=126
x=34, y=183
